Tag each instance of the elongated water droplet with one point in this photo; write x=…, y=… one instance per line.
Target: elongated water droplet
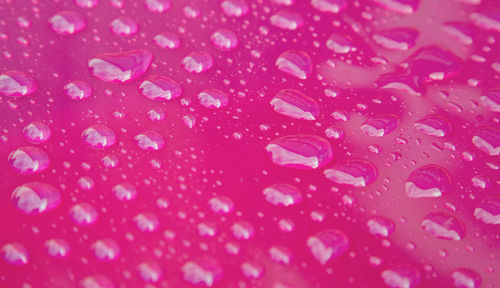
x=381, y=125
x=213, y=98
x=281, y=194
x=122, y=67
x=234, y=8
x=428, y=181
x=402, y=276
x=36, y=198
x=357, y=173
x=67, y=23
x=16, y=84
x=294, y=104
x=28, y=160
x=444, y=226
x=433, y=125
x=397, y=38
x=488, y=210
x=491, y=99
x=158, y=6
x=224, y=39
x=160, y=88
x=487, y=139
x=399, y=6
x=287, y=20
x=296, y=63
x=332, y=6
x=465, y=278
x=328, y=245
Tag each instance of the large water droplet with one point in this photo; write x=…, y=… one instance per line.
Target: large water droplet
x=15, y=254
x=149, y=141
x=300, y=151
x=328, y=245
x=122, y=67
x=157, y=6
x=78, y=90
x=224, y=39
x=160, y=88
x=399, y=6
x=444, y=226
x=465, y=278
x=402, y=276
x=491, y=99
x=106, y=250
x=381, y=226
x=357, y=173
x=28, y=160
x=433, y=125
x=124, y=191
x=167, y=40
x=332, y=6
x=35, y=198
x=16, y=84
x=428, y=181
x=99, y=136
x=287, y=20
x=202, y=271
x=123, y=26
x=234, y=8
x=83, y=214
x=397, y=38
x=37, y=132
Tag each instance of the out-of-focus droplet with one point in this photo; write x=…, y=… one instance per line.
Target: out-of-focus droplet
x=224, y=39
x=300, y=151
x=167, y=40
x=15, y=254
x=234, y=8
x=57, y=248
x=381, y=226
x=150, y=272
x=406, y=7
x=106, y=250
x=124, y=26
x=491, y=99
x=87, y=3
x=99, y=136
x=36, y=198
x=331, y=6
x=357, y=173
x=121, y=67
x=146, y=222
x=83, y=214
x=96, y=281
x=287, y=20
x=124, y=191
x=157, y=6
x=402, y=276
x=397, y=38
x=243, y=230
x=328, y=245
x=428, y=181
x=221, y=204
x=202, y=271
x=16, y=84
x=252, y=270
x=465, y=278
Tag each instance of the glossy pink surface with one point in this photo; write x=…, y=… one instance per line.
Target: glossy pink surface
x=249, y=143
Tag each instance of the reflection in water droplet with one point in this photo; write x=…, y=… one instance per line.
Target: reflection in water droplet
x=300, y=151
x=16, y=84
x=428, y=181
x=296, y=63
x=433, y=125
x=213, y=98
x=221, y=204
x=146, y=222
x=252, y=270
x=280, y=254
x=106, y=250
x=234, y=8
x=35, y=198
x=99, y=137
x=294, y=104
x=157, y=6
x=488, y=210
x=67, y=23
x=381, y=125
x=340, y=44
x=287, y=20
x=15, y=254
x=397, y=38
x=123, y=26
x=357, y=173
x=224, y=39
x=167, y=40
x=487, y=139
x=202, y=271
x=281, y=194
x=78, y=90
x=243, y=230
x=332, y=6
x=328, y=245
x=57, y=248
x=28, y=160
x=381, y=226
x=83, y=214
x=150, y=272
x=124, y=191
x=399, y=6
x=96, y=281
x=197, y=62
x=37, y=132
x=491, y=99
x=122, y=67
x=444, y=226
x=465, y=278
x=403, y=276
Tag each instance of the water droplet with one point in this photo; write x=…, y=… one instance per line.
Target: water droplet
x=397, y=38
x=122, y=67
x=67, y=23
x=444, y=226
x=294, y=104
x=224, y=39
x=197, y=62
x=381, y=125
x=35, y=198
x=281, y=194
x=428, y=181
x=332, y=6
x=300, y=151
x=381, y=226
x=160, y=88
x=57, y=248
x=433, y=125
x=96, y=281
x=106, y=250
x=334, y=132
x=465, y=278
x=491, y=99
x=124, y=191
x=403, y=276
x=340, y=44
x=280, y=254
x=146, y=222
x=213, y=98
x=399, y=6
x=252, y=270
x=243, y=230
x=149, y=141
x=357, y=173
x=487, y=19
x=99, y=137
x=328, y=245
x=487, y=139
x=287, y=20
x=78, y=90
x=462, y=31
x=123, y=26
x=167, y=40
x=28, y=160
x=202, y=271
x=234, y=8
x=296, y=63
x=150, y=272
x=83, y=214
x=221, y=204
x=157, y=6
x=36, y=132
x=87, y=3
x=16, y=84
x=15, y=254
x=488, y=210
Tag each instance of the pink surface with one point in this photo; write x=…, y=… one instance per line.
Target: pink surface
x=238, y=143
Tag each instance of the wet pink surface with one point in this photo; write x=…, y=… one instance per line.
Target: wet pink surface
x=150, y=144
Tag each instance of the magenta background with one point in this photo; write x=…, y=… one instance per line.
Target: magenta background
x=214, y=163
